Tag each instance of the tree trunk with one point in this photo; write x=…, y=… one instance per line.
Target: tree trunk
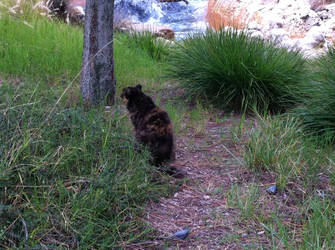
x=97, y=79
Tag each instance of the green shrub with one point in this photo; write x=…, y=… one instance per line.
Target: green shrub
x=317, y=111
x=278, y=145
x=235, y=70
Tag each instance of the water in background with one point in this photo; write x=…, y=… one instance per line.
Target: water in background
x=181, y=17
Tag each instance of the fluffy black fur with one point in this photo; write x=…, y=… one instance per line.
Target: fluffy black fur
x=153, y=127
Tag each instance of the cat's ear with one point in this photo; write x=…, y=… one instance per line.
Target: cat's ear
x=139, y=86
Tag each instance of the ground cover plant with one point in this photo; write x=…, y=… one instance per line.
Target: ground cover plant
x=235, y=70
x=317, y=109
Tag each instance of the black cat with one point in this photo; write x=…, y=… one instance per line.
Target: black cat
x=153, y=128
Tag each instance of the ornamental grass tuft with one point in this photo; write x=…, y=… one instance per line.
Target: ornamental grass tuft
x=237, y=71
x=317, y=111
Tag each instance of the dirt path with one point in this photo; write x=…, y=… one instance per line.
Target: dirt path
x=212, y=163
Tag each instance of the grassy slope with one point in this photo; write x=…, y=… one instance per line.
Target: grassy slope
x=71, y=177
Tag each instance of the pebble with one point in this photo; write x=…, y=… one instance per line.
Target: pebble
x=272, y=190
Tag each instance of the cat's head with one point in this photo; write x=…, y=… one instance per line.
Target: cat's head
x=131, y=93
x=136, y=100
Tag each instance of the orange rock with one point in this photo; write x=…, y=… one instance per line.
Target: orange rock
x=222, y=13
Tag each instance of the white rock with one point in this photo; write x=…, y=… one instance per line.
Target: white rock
x=254, y=26
x=316, y=33
x=293, y=23
x=273, y=21
x=290, y=43
x=256, y=33
x=331, y=10
x=323, y=14
x=312, y=18
x=278, y=35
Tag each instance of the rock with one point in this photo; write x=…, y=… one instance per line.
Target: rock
x=272, y=190
x=331, y=10
x=314, y=43
x=256, y=33
x=72, y=11
x=314, y=38
x=290, y=43
x=278, y=35
x=319, y=5
x=254, y=26
x=182, y=234
x=170, y=1
x=324, y=15
x=76, y=11
x=312, y=18
x=291, y=22
x=275, y=21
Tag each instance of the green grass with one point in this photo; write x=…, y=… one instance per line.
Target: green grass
x=52, y=52
x=68, y=178
x=245, y=199
x=317, y=111
x=315, y=231
x=72, y=176
x=156, y=47
x=319, y=228
x=134, y=65
x=234, y=70
x=279, y=145
x=304, y=173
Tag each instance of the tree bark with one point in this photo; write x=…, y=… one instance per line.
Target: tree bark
x=97, y=79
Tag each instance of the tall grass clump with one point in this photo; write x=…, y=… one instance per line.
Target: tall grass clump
x=156, y=47
x=317, y=110
x=278, y=145
x=237, y=71
x=68, y=178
